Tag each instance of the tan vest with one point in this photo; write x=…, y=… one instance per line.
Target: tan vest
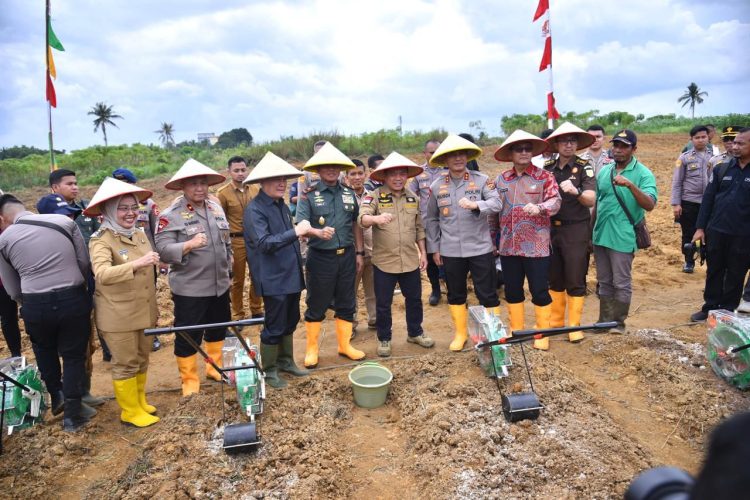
x=125, y=300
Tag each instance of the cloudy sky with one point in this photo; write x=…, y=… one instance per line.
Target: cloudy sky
x=293, y=67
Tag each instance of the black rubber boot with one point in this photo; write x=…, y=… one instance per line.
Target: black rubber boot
x=57, y=402
x=73, y=419
x=606, y=311
x=269, y=355
x=87, y=398
x=285, y=361
x=620, y=312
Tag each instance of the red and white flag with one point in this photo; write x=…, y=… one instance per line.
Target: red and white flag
x=542, y=10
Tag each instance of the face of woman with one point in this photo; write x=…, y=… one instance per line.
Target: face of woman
x=127, y=211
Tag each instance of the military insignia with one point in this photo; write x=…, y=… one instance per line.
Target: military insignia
x=155, y=210
x=466, y=175
x=190, y=207
x=163, y=222
x=490, y=184
x=347, y=198
x=187, y=215
x=123, y=253
x=678, y=163
x=446, y=211
x=589, y=171
x=367, y=200
x=575, y=170
x=322, y=220
x=317, y=193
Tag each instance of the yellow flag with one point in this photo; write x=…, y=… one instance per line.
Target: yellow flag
x=52, y=71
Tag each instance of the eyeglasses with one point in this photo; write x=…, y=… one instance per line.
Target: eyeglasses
x=523, y=149
x=568, y=141
x=126, y=209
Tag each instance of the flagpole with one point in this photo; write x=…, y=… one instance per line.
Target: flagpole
x=49, y=105
x=550, y=120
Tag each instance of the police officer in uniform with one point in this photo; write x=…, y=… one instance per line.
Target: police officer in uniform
x=234, y=196
x=335, y=251
x=420, y=185
x=193, y=236
x=399, y=253
x=570, y=232
x=727, y=138
x=458, y=232
x=45, y=268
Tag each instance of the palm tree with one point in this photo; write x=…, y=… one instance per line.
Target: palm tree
x=693, y=96
x=104, y=116
x=166, y=136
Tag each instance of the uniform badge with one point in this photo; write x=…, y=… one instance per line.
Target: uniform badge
x=317, y=193
x=575, y=170
x=589, y=171
x=124, y=253
x=490, y=184
x=163, y=222
x=322, y=220
x=190, y=207
x=446, y=211
x=367, y=200
x=155, y=210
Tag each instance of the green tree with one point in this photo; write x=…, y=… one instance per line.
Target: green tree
x=166, y=134
x=104, y=116
x=692, y=96
x=235, y=137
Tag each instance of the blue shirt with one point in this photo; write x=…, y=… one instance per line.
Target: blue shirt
x=272, y=247
x=726, y=203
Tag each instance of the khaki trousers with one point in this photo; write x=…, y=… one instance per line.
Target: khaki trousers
x=91, y=348
x=130, y=352
x=368, y=283
x=237, y=289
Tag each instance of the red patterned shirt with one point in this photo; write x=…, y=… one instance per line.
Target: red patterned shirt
x=521, y=234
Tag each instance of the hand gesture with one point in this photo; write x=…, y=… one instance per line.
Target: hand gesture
x=384, y=219
x=327, y=233
x=622, y=181
x=200, y=240
x=467, y=204
x=150, y=259
x=531, y=209
x=302, y=228
x=568, y=187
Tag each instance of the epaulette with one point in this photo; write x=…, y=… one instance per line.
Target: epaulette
x=312, y=187
x=550, y=162
x=222, y=188
x=97, y=233
x=581, y=161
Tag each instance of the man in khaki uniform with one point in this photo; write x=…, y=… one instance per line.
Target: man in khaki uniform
x=234, y=197
x=399, y=253
x=193, y=236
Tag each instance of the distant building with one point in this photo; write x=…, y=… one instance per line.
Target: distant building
x=209, y=137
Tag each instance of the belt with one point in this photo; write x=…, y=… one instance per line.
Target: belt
x=236, y=235
x=60, y=293
x=337, y=251
x=558, y=222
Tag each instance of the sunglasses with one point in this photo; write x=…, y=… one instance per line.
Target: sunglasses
x=522, y=149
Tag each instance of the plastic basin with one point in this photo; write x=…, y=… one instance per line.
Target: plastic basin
x=370, y=384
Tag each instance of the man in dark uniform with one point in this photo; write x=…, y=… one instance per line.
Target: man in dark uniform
x=570, y=231
x=43, y=265
x=336, y=251
x=724, y=226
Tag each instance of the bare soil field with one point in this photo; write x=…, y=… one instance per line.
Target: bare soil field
x=614, y=405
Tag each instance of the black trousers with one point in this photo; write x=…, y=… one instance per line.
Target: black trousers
x=569, y=260
x=199, y=311
x=688, y=220
x=727, y=261
x=433, y=274
x=59, y=325
x=9, y=322
x=282, y=316
x=330, y=276
x=535, y=270
x=411, y=289
x=483, y=273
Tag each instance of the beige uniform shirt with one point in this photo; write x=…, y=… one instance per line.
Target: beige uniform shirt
x=125, y=299
x=394, y=248
x=202, y=272
x=233, y=201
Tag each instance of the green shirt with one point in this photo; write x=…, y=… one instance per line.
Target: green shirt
x=334, y=206
x=612, y=228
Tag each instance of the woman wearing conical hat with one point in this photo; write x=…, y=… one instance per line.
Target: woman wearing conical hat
x=530, y=197
x=193, y=236
x=123, y=263
x=273, y=253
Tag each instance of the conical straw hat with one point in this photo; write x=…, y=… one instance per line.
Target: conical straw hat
x=504, y=152
x=584, y=138
x=455, y=143
x=193, y=168
x=395, y=160
x=113, y=188
x=271, y=166
x=328, y=155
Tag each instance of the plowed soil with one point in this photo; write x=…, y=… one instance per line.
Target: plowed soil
x=614, y=405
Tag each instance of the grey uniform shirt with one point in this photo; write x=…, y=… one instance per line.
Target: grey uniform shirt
x=36, y=259
x=202, y=272
x=420, y=185
x=691, y=175
x=455, y=231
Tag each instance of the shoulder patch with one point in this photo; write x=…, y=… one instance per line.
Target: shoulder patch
x=550, y=162
x=678, y=162
x=367, y=200
x=155, y=209
x=163, y=223
x=490, y=184
x=581, y=161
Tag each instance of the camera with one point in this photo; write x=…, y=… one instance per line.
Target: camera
x=694, y=250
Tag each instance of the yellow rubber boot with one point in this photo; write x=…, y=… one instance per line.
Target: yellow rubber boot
x=542, y=314
x=557, y=318
x=344, y=336
x=126, y=394
x=515, y=313
x=459, y=314
x=311, y=351
x=188, y=367
x=141, y=382
x=213, y=349
x=575, y=310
